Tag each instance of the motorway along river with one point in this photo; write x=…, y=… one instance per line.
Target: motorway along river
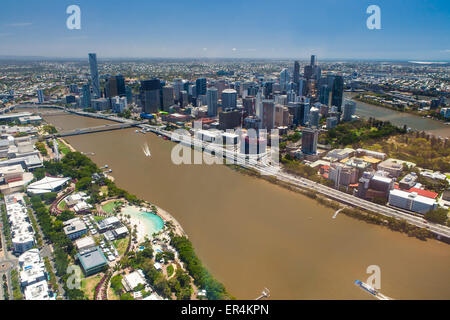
x=366, y=110
x=251, y=234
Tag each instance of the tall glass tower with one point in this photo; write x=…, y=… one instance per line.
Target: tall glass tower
x=94, y=74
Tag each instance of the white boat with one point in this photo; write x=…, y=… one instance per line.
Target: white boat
x=146, y=150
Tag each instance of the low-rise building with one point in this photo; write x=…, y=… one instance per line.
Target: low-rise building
x=38, y=291
x=408, y=181
x=85, y=243
x=134, y=279
x=108, y=224
x=411, y=201
x=92, y=260
x=74, y=228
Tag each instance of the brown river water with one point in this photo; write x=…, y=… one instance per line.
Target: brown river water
x=251, y=234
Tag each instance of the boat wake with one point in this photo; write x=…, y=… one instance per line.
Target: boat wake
x=146, y=150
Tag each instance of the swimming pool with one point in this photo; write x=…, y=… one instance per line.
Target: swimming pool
x=152, y=222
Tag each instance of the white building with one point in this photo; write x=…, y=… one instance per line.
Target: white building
x=48, y=184
x=37, y=291
x=411, y=201
x=132, y=280
x=22, y=233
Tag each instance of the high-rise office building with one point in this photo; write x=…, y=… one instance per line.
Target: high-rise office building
x=314, y=116
x=177, y=88
x=268, y=114
x=150, y=95
x=229, y=99
x=284, y=79
x=111, y=88
x=212, y=96
x=129, y=94
x=200, y=83
x=331, y=122
x=249, y=105
x=324, y=94
x=94, y=75
x=268, y=89
x=296, y=72
x=337, y=92
x=309, y=140
x=349, y=110
x=40, y=96
x=167, y=97
x=230, y=119
x=86, y=98
x=313, y=60
x=121, y=90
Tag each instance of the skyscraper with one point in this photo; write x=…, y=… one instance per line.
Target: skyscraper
x=309, y=140
x=229, y=99
x=121, y=91
x=249, y=104
x=324, y=94
x=314, y=117
x=212, y=95
x=296, y=72
x=313, y=60
x=94, y=74
x=337, y=92
x=150, y=95
x=111, y=88
x=86, y=98
x=167, y=97
x=268, y=114
x=284, y=79
x=200, y=83
x=349, y=110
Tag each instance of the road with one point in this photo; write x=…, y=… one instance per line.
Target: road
x=264, y=167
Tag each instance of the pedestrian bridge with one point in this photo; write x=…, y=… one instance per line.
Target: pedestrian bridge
x=103, y=128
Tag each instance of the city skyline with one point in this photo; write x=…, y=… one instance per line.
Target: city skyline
x=329, y=29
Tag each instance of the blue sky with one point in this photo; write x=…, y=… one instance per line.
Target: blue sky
x=411, y=29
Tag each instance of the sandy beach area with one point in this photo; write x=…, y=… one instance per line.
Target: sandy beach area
x=140, y=228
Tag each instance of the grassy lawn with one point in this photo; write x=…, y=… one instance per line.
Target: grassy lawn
x=109, y=207
x=63, y=148
x=98, y=218
x=121, y=245
x=170, y=270
x=88, y=285
x=62, y=205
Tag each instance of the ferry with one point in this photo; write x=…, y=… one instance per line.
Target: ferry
x=371, y=290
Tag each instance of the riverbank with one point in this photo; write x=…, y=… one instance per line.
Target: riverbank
x=364, y=215
x=398, y=118
x=379, y=104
